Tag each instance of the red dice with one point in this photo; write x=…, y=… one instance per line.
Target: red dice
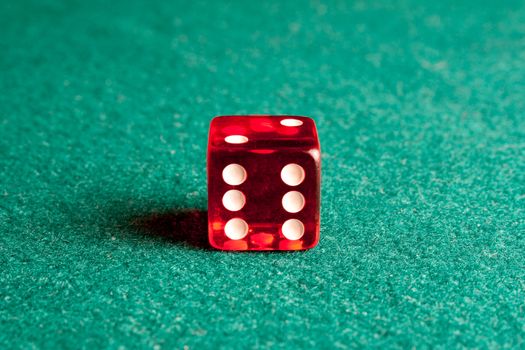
x=264, y=177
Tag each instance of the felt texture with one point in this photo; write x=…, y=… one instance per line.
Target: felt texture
x=104, y=114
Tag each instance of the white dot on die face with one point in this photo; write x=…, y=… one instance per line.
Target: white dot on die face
x=233, y=200
x=291, y=122
x=236, y=229
x=236, y=139
x=234, y=174
x=292, y=174
x=293, y=229
x=293, y=202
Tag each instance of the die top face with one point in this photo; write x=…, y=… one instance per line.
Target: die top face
x=263, y=132
x=265, y=198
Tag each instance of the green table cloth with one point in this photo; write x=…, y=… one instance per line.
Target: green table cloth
x=104, y=114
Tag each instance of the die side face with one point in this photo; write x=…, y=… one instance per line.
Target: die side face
x=263, y=190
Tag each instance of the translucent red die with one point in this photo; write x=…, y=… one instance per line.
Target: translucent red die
x=264, y=178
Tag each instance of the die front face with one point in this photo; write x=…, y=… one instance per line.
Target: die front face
x=263, y=183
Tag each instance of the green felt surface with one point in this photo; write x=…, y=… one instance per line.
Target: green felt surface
x=104, y=111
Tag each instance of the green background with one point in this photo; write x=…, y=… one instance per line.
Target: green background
x=104, y=111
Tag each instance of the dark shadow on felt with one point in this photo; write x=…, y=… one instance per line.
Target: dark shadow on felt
x=189, y=226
